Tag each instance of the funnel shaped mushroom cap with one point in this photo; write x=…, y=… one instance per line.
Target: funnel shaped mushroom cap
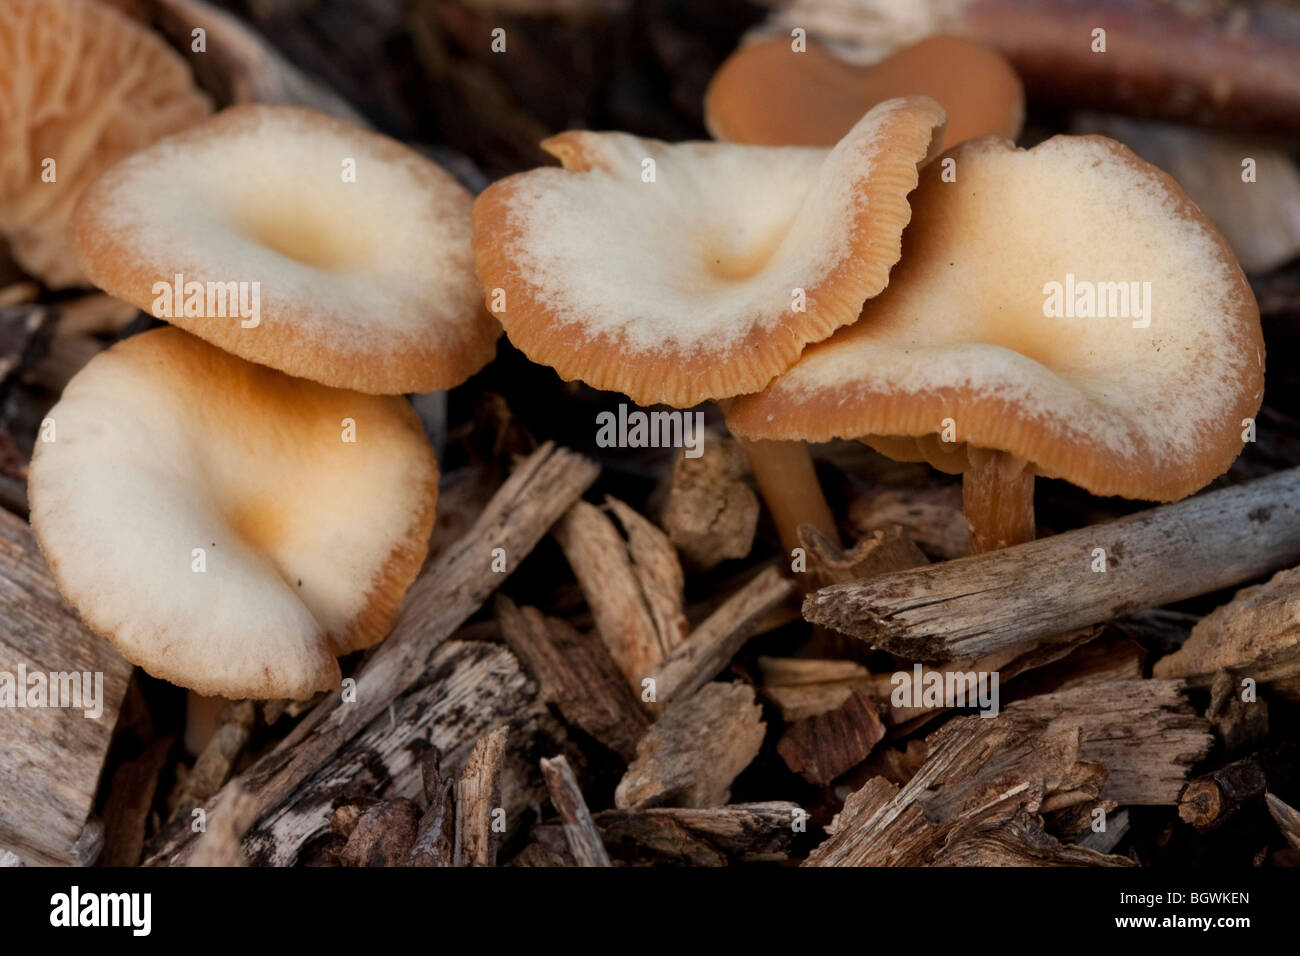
x=356, y=249
x=1150, y=412
x=769, y=94
x=210, y=517
x=680, y=273
x=81, y=85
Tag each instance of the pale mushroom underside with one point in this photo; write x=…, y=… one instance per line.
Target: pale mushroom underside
x=229, y=528
x=1149, y=399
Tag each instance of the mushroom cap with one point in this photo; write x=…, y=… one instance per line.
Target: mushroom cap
x=366, y=284
x=962, y=332
x=83, y=85
x=768, y=94
x=164, y=444
x=684, y=286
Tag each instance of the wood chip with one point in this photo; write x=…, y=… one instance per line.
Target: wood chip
x=577, y=674
x=1128, y=741
x=695, y=750
x=53, y=755
x=383, y=835
x=1212, y=799
x=711, y=512
x=1255, y=635
x=714, y=836
x=821, y=748
x=632, y=586
x=435, y=837
x=971, y=607
x=579, y=829
x=478, y=800
x=719, y=637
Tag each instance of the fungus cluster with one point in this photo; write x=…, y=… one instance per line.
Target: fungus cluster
x=240, y=499
x=970, y=360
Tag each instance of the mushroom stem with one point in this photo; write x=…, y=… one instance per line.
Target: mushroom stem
x=997, y=492
x=202, y=718
x=788, y=482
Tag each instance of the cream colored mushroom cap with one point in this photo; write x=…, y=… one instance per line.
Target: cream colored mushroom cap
x=357, y=247
x=692, y=271
x=1146, y=401
x=211, y=518
x=81, y=86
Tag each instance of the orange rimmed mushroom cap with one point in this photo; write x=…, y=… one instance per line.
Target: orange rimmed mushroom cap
x=228, y=527
x=81, y=86
x=358, y=249
x=768, y=93
x=963, y=332
x=683, y=272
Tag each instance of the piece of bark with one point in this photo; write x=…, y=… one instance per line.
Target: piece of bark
x=971, y=607
x=1143, y=731
x=445, y=594
x=1286, y=817
x=1020, y=841
x=1127, y=741
x=695, y=750
x=1210, y=800
x=383, y=835
x=1072, y=823
x=1238, y=723
x=931, y=517
x=627, y=585
x=53, y=755
x=714, y=836
x=435, y=837
x=1260, y=218
x=472, y=687
x=978, y=772
x=877, y=552
x=579, y=829
x=478, y=798
x=700, y=658
x=213, y=765
x=711, y=511
x=130, y=801
x=228, y=820
x=1255, y=635
x=1223, y=65
x=821, y=748
x=577, y=674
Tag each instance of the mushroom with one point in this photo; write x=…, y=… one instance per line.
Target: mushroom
x=680, y=273
x=349, y=254
x=771, y=93
x=229, y=528
x=82, y=86
x=997, y=352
